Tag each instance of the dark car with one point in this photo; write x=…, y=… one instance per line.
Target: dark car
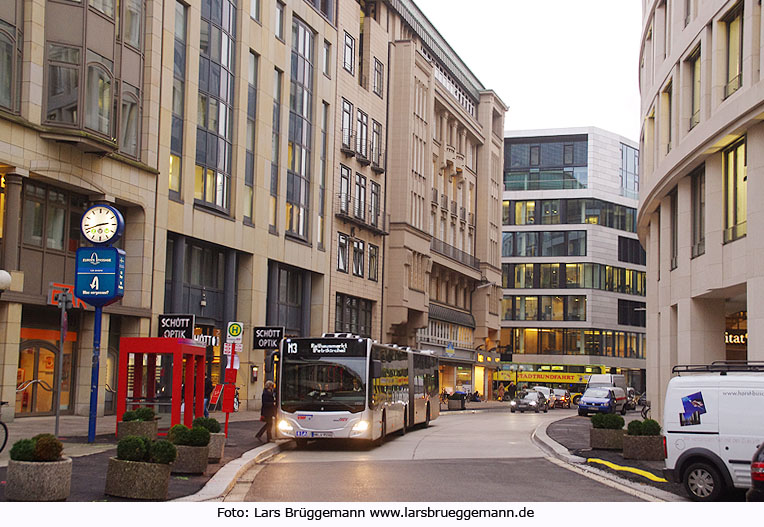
x=561, y=398
x=532, y=401
x=756, y=492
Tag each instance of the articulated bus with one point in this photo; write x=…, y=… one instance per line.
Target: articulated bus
x=344, y=386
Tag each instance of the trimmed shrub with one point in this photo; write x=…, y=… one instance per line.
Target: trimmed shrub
x=40, y=436
x=651, y=427
x=23, y=450
x=178, y=434
x=198, y=436
x=145, y=414
x=607, y=421
x=635, y=428
x=131, y=448
x=130, y=415
x=209, y=423
x=163, y=452
x=48, y=448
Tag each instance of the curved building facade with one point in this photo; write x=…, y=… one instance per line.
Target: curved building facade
x=701, y=184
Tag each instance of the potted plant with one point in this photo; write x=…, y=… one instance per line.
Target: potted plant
x=643, y=441
x=141, y=469
x=217, y=438
x=37, y=471
x=139, y=422
x=193, y=449
x=607, y=432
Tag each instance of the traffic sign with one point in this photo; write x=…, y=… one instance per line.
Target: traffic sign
x=231, y=347
x=267, y=337
x=99, y=275
x=235, y=332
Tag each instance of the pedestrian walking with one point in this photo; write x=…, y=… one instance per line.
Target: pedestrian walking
x=268, y=410
x=208, y=387
x=512, y=389
x=500, y=392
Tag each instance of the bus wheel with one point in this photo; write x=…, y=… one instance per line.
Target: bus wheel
x=301, y=442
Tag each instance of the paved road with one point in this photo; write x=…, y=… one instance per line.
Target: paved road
x=473, y=456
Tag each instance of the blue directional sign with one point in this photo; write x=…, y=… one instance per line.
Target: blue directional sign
x=99, y=275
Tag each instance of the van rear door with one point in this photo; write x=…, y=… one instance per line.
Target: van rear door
x=741, y=425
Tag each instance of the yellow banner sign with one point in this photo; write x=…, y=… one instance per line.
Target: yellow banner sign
x=541, y=376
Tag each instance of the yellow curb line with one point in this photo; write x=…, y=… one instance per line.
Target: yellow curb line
x=643, y=473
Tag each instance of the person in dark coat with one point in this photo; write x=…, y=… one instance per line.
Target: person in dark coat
x=208, y=387
x=268, y=410
x=511, y=389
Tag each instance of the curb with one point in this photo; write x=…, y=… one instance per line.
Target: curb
x=225, y=478
x=578, y=464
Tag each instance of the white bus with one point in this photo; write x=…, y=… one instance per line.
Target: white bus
x=344, y=386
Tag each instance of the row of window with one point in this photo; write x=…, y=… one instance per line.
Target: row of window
x=573, y=276
x=359, y=142
x=355, y=203
x=343, y=256
x=352, y=315
x=571, y=341
x=545, y=243
x=348, y=62
x=569, y=211
x=555, y=307
x=549, y=179
x=546, y=152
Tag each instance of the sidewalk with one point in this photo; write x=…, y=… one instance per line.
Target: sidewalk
x=89, y=461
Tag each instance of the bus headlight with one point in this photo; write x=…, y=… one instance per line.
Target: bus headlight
x=361, y=426
x=285, y=426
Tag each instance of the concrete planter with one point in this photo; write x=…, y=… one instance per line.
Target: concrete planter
x=647, y=448
x=137, y=480
x=605, y=439
x=457, y=404
x=191, y=459
x=39, y=481
x=137, y=428
x=217, y=447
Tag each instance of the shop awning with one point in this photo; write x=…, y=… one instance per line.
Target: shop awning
x=445, y=314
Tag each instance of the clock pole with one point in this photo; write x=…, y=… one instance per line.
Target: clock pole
x=94, y=374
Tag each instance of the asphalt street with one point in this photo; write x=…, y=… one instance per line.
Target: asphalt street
x=473, y=456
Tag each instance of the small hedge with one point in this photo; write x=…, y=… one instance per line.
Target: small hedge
x=210, y=423
x=41, y=448
x=608, y=421
x=196, y=436
x=137, y=448
x=635, y=428
x=140, y=414
x=648, y=427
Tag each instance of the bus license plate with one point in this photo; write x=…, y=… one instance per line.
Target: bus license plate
x=322, y=434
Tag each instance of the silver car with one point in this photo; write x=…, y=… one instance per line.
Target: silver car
x=532, y=401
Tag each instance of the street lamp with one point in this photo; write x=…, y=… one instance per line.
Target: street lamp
x=5, y=281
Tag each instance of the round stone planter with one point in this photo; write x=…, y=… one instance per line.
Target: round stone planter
x=604, y=439
x=137, y=480
x=646, y=448
x=39, y=481
x=137, y=428
x=191, y=459
x=217, y=447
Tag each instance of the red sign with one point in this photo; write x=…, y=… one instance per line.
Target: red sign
x=228, y=395
x=230, y=375
x=215, y=395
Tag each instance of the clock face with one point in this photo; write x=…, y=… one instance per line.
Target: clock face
x=99, y=224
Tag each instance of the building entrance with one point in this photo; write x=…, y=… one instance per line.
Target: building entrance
x=36, y=378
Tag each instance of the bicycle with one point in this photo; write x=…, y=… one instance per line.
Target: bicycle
x=645, y=410
x=3, y=430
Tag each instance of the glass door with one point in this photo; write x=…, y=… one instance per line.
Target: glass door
x=36, y=378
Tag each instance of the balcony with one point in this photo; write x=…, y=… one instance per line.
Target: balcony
x=452, y=252
x=462, y=213
x=377, y=159
x=453, y=208
x=444, y=201
x=347, y=142
x=362, y=151
x=434, y=195
x=360, y=213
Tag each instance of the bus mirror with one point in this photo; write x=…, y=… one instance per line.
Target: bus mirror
x=376, y=369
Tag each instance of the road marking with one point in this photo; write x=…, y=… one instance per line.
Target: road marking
x=639, y=472
x=605, y=481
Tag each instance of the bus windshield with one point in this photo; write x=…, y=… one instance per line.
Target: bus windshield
x=323, y=384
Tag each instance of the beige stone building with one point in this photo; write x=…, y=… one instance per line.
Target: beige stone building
x=702, y=102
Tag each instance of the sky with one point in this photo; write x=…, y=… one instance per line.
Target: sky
x=555, y=63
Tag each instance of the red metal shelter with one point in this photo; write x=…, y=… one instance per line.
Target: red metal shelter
x=187, y=369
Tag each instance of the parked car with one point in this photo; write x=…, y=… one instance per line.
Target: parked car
x=602, y=399
x=713, y=422
x=561, y=398
x=532, y=401
x=756, y=492
x=597, y=380
x=548, y=395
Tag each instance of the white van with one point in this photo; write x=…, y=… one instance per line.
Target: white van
x=597, y=380
x=713, y=423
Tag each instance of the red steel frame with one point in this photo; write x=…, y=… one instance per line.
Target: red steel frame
x=180, y=349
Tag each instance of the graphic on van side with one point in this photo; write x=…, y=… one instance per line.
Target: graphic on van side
x=693, y=408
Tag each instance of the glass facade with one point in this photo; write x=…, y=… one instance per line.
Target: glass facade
x=547, y=243
x=548, y=163
x=577, y=341
x=545, y=307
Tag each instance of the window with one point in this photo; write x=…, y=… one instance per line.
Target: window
x=63, y=84
x=734, y=27
x=360, y=197
x=523, y=276
x=549, y=276
x=348, y=57
x=535, y=151
x=178, y=100
x=687, y=12
x=298, y=171
x=567, y=156
x=667, y=109
x=50, y=219
x=631, y=313
x=249, y=166
x=98, y=95
x=550, y=212
x=527, y=244
x=342, y=252
x=525, y=212
x=344, y=189
x=576, y=243
x=552, y=308
x=698, y=211
x=674, y=229
x=374, y=206
x=575, y=308
x=132, y=22
x=630, y=250
x=326, y=59
x=735, y=191
x=553, y=243
x=352, y=315
x=11, y=47
x=695, y=83
x=322, y=174
x=376, y=143
x=325, y=7
x=358, y=251
x=279, y=27
x=630, y=176
x=276, y=127
x=254, y=9
x=362, y=135
x=347, y=124
x=104, y=6
x=373, y=262
x=379, y=77
x=129, y=120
